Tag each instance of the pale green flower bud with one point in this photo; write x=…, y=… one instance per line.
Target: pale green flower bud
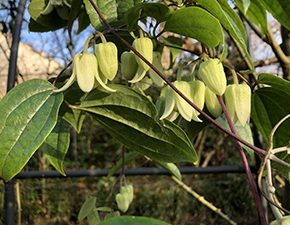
x=129, y=190
x=243, y=103
x=285, y=220
x=107, y=56
x=198, y=97
x=122, y=201
x=167, y=97
x=185, y=110
x=238, y=102
x=129, y=65
x=211, y=72
x=86, y=69
x=195, y=92
x=212, y=103
x=230, y=100
x=144, y=45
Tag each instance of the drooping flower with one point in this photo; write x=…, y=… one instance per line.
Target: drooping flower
x=193, y=90
x=238, y=102
x=212, y=103
x=144, y=46
x=211, y=72
x=129, y=65
x=86, y=72
x=107, y=57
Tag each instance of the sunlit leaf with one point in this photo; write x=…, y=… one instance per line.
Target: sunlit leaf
x=28, y=115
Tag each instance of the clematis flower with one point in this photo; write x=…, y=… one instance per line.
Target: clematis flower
x=238, y=102
x=212, y=103
x=211, y=72
x=85, y=71
x=173, y=103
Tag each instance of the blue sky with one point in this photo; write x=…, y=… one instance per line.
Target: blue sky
x=54, y=44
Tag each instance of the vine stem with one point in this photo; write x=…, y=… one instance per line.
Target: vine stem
x=128, y=45
x=250, y=177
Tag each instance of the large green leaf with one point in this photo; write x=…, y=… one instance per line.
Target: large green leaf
x=196, y=23
x=279, y=9
x=274, y=81
x=56, y=145
x=108, y=9
x=132, y=119
x=48, y=22
x=229, y=20
x=271, y=104
x=28, y=114
x=269, y=107
x=256, y=13
x=158, y=11
x=132, y=220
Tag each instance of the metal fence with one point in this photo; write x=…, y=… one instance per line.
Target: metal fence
x=9, y=193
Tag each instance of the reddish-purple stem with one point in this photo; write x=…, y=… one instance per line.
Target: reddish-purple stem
x=251, y=180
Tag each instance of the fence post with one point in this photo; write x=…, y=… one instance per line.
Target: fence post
x=9, y=203
x=9, y=195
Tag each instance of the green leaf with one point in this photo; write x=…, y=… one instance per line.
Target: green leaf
x=88, y=206
x=170, y=167
x=28, y=114
x=235, y=21
x=229, y=20
x=75, y=11
x=256, y=13
x=123, y=7
x=260, y=117
x=269, y=106
x=274, y=81
x=83, y=21
x=132, y=220
x=56, y=145
x=132, y=119
x=279, y=9
x=158, y=11
x=49, y=22
x=196, y=23
x=244, y=132
x=108, y=9
x=93, y=217
x=75, y=118
x=33, y=26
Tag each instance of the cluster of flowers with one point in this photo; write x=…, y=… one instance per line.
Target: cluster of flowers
x=91, y=70
x=213, y=82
